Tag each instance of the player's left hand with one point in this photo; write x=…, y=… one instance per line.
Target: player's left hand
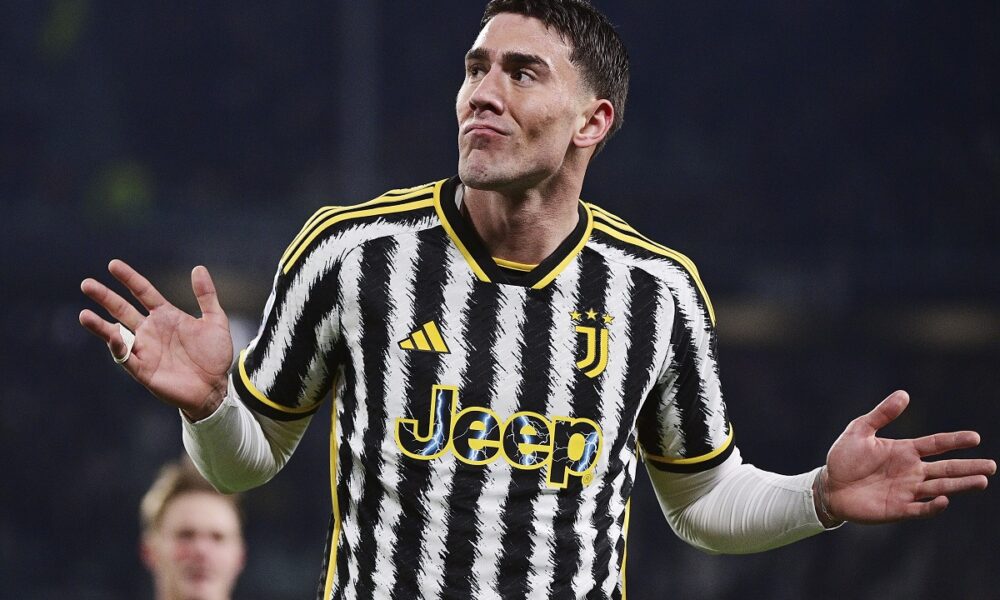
x=869, y=479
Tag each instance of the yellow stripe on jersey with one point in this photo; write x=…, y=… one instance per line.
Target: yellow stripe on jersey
x=694, y=459
x=327, y=211
x=454, y=236
x=331, y=567
x=628, y=511
x=354, y=214
x=509, y=264
x=260, y=396
x=652, y=246
x=544, y=281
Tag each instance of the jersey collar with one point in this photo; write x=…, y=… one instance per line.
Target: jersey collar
x=468, y=242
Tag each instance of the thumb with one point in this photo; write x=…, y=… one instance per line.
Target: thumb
x=208, y=299
x=886, y=412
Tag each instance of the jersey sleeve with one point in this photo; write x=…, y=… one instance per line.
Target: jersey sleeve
x=288, y=368
x=683, y=425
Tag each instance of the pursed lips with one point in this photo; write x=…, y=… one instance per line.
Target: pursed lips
x=480, y=127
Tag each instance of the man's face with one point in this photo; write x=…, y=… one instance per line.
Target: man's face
x=520, y=103
x=197, y=553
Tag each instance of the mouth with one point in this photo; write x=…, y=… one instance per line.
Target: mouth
x=482, y=129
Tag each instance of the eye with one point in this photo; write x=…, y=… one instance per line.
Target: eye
x=522, y=76
x=474, y=71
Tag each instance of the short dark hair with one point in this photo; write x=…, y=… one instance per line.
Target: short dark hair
x=597, y=48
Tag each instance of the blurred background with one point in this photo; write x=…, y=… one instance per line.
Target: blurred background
x=833, y=168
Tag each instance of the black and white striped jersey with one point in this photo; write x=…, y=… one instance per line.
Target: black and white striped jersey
x=488, y=416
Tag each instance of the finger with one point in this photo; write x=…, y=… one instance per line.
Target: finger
x=947, y=487
x=116, y=306
x=883, y=414
x=940, y=443
x=208, y=298
x=959, y=468
x=104, y=330
x=139, y=286
x=923, y=510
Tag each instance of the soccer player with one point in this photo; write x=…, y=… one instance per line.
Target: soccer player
x=501, y=355
x=192, y=542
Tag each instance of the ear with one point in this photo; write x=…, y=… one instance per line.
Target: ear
x=595, y=123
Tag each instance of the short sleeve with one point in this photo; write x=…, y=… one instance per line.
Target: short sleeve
x=683, y=425
x=288, y=368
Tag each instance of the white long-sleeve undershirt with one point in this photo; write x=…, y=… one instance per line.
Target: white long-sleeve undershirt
x=736, y=508
x=733, y=508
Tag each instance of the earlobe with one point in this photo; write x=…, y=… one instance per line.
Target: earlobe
x=599, y=117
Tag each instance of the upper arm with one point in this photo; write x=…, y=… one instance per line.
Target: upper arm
x=683, y=425
x=289, y=367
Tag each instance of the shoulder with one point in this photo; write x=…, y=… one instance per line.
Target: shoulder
x=619, y=242
x=394, y=212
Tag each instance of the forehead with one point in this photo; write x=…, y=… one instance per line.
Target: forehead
x=509, y=32
x=200, y=511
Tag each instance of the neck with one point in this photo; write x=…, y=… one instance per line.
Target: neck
x=525, y=226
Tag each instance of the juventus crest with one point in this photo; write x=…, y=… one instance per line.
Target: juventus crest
x=593, y=326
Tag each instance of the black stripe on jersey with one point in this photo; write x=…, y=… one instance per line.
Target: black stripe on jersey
x=687, y=401
x=376, y=301
x=514, y=564
x=415, y=475
x=403, y=209
x=463, y=525
x=326, y=560
x=642, y=334
x=586, y=403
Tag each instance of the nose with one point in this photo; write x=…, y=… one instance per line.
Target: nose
x=487, y=93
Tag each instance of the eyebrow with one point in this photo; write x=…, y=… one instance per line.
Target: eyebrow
x=510, y=58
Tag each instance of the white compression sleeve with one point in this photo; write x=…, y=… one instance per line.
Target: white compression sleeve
x=736, y=508
x=236, y=449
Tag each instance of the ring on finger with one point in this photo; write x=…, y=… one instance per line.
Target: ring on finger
x=129, y=338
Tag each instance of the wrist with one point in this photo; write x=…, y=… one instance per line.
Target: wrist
x=208, y=407
x=821, y=501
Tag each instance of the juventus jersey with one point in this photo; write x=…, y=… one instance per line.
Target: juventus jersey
x=487, y=416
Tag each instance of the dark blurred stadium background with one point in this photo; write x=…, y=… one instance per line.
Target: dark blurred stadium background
x=833, y=168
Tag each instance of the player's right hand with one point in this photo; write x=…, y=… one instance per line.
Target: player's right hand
x=184, y=361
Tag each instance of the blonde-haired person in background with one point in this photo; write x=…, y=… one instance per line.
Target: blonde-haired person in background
x=192, y=540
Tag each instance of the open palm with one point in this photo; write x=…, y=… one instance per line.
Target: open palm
x=182, y=360
x=876, y=480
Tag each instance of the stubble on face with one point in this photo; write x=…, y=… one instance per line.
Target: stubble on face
x=521, y=87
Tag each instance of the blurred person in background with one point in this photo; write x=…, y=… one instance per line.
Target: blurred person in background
x=192, y=540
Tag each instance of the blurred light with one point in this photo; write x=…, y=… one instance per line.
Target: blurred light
x=62, y=28
x=124, y=191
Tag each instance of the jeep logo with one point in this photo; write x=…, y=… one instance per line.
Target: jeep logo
x=568, y=447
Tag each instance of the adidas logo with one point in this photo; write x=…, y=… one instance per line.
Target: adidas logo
x=425, y=339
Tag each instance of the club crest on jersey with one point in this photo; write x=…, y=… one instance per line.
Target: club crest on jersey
x=568, y=447
x=593, y=326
